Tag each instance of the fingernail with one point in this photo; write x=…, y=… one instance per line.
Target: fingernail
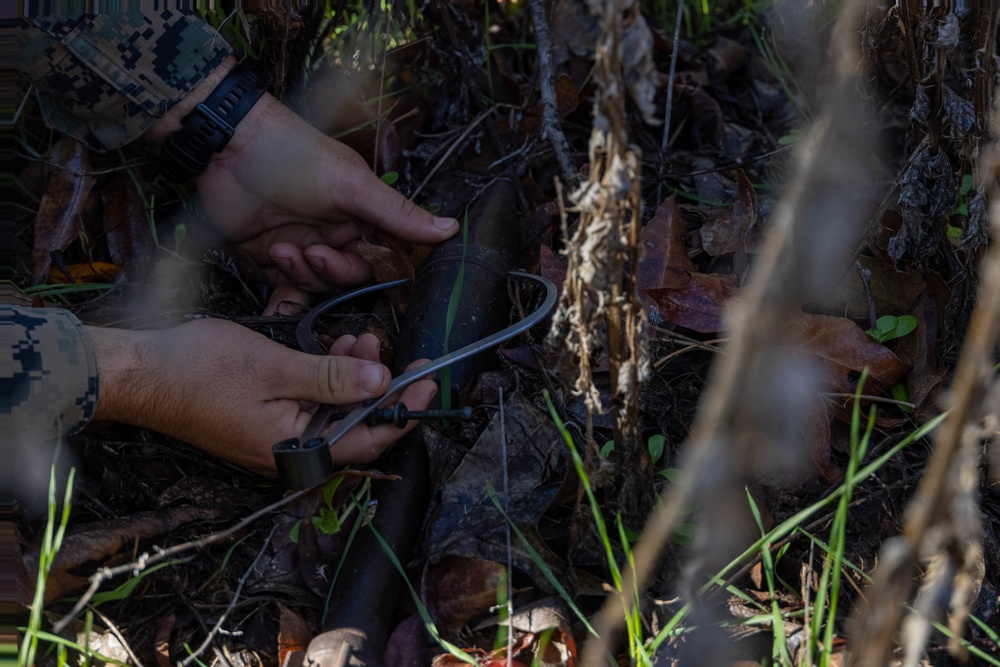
x=282, y=262
x=445, y=224
x=373, y=376
x=316, y=263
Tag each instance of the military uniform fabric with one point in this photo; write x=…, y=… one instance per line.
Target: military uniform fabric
x=48, y=374
x=105, y=79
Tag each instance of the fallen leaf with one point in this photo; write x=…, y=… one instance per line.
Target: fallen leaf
x=893, y=290
x=844, y=351
x=457, y=589
x=126, y=227
x=84, y=272
x=389, y=264
x=104, y=540
x=463, y=521
x=695, y=301
x=161, y=640
x=744, y=217
x=406, y=644
x=552, y=266
x=663, y=245
x=57, y=223
x=294, y=634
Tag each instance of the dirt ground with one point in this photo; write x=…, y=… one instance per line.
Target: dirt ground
x=451, y=109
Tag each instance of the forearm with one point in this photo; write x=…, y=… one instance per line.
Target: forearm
x=124, y=359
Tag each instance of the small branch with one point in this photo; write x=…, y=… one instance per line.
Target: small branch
x=670, y=97
x=551, y=127
x=232, y=603
x=145, y=560
x=458, y=142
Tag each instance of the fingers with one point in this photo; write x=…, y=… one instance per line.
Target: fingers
x=386, y=208
x=338, y=380
x=286, y=299
x=318, y=268
x=366, y=346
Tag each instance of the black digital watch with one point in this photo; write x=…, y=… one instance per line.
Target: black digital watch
x=210, y=125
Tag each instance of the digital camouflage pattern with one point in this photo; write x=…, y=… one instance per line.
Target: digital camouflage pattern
x=48, y=374
x=104, y=79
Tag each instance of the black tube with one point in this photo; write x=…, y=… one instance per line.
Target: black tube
x=363, y=601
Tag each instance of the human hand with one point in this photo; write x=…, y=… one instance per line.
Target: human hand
x=295, y=200
x=234, y=393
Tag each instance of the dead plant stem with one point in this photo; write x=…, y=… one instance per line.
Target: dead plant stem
x=552, y=128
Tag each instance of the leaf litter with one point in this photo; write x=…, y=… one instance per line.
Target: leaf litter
x=699, y=244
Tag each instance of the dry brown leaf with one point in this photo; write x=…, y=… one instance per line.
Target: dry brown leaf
x=695, y=301
x=844, y=351
x=85, y=272
x=457, y=589
x=161, y=640
x=57, y=223
x=744, y=217
x=103, y=541
x=294, y=634
x=126, y=227
x=663, y=244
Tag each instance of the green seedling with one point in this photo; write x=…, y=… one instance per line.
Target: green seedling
x=961, y=207
x=453, y=301
x=390, y=177
x=793, y=137
x=129, y=586
x=890, y=327
x=327, y=521
x=51, y=542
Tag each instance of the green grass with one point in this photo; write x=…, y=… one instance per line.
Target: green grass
x=55, y=531
x=770, y=548
x=453, y=301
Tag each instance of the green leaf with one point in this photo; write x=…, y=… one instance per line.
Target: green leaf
x=327, y=521
x=655, y=446
x=792, y=137
x=293, y=534
x=180, y=233
x=608, y=447
x=899, y=393
x=671, y=474
x=954, y=232
x=126, y=589
x=329, y=489
x=889, y=327
x=390, y=177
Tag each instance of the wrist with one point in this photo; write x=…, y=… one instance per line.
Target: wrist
x=122, y=372
x=174, y=118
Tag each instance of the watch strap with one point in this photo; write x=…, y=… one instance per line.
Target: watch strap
x=210, y=125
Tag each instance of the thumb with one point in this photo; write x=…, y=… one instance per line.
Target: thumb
x=322, y=378
x=391, y=212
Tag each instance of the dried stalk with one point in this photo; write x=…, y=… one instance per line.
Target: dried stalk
x=738, y=423
x=942, y=522
x=600, y=310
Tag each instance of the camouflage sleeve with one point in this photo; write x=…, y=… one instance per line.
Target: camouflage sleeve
x=105, y=78
x=50, y=378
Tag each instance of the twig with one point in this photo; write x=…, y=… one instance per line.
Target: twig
x=670, y=97
x=232, y=603
x=460, y=141
x=551, y=127
x=145, y=560
x=113, y=629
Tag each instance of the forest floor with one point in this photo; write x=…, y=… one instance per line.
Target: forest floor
x=453, y=106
